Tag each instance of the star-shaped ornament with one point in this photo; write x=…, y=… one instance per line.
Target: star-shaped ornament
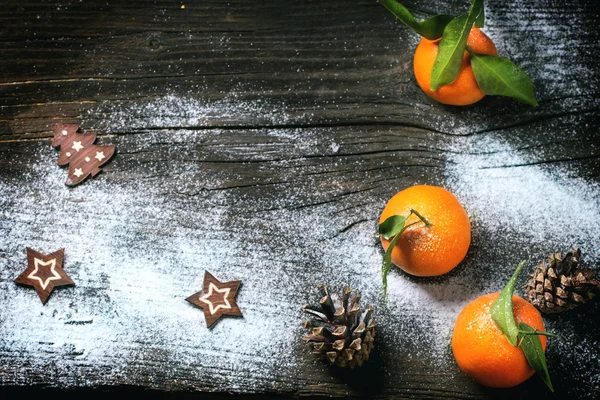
x=216, y=299
x=77, y=146
x=44, y=272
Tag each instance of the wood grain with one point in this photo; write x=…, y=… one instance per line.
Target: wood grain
x=261, y=141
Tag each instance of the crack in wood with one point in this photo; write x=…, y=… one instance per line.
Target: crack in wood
x=348, y=227
x=128, y=78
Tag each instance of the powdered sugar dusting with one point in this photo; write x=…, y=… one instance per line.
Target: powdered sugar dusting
x=540, y=205
x=131, y=281
x=175, y=111
x=138, y=244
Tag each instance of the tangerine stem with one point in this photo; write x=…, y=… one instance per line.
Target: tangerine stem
x=536, y=332
x=407, y=226
x=422, y=218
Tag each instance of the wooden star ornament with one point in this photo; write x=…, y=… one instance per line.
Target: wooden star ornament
x=216, y=299
x=44, y=272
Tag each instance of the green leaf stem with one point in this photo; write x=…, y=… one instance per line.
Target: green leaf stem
x=393, y=227
x=431, y=28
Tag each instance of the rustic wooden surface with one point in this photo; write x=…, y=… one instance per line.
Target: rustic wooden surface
x=270, y=135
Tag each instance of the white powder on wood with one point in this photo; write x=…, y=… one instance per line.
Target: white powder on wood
x=137, y=249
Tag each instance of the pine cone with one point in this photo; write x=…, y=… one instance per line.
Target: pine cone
x=559, y=284
x=340, y=332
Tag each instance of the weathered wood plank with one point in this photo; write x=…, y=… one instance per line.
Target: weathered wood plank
x=320, y=64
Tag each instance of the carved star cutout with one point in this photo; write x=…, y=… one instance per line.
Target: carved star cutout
x=77, y=146
x=78, y=172
x=37, y=271
x=44, y=272
x=211, y=299
x=100, y=156
x=216, y=299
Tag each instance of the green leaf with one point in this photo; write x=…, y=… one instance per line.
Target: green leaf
x=431, y=28
x=502, y=312
x=522, y=335
x=448, y=61
x=532, y=347
x=500, y=76
x=479, y=20
x=391, y=226
x=387, y=262
x=394, y=226
x=450, y=52
x=477, y=13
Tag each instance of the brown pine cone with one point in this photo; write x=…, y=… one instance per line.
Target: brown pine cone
x=559, y=284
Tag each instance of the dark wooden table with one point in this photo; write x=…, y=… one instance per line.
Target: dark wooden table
x=260, y=140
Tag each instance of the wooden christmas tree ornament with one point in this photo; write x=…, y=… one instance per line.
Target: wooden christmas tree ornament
x=79, y=152
x=44, y=272
x=216, y=299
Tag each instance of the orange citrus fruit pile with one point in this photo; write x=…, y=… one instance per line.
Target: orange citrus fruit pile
x=483, y=352
x=429, y=250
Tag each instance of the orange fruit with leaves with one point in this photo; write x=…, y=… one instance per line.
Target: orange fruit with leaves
x=456, y=63
x=483, y=351
x=432, y=248
x=464, y=90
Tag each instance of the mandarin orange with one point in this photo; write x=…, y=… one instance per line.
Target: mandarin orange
x=464, y=90
x=483, y=352
x=429, y=250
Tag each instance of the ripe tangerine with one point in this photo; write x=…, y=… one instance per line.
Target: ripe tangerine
x=432, y=250
x=464, y=90
x=483, y=352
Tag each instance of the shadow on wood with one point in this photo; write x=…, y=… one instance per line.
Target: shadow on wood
x=367, y=380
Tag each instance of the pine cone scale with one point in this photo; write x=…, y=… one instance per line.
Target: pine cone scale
x=559, y=284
